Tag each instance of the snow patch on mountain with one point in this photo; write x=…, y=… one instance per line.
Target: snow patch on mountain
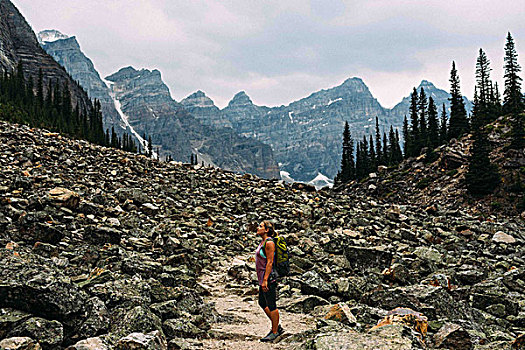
x=125, y=118
x=51, y=35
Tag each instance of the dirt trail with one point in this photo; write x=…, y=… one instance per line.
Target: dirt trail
x=242, y=322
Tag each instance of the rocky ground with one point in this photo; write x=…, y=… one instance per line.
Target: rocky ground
x=101, y=249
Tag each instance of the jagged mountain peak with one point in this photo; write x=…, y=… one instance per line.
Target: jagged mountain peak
x=240, y=99
x=352, y=85
x=51, y=35
x=426, y=84
x=130, y=72
x=198, y=99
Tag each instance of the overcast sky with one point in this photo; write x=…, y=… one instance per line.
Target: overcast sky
x=282, y=50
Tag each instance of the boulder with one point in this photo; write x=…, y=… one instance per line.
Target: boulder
x=452, y=160
x=502, y=237
x=363, y=259
x=138, y=319
x=313, y=283
x=134, y=194
x=19, y=343
x=452, y=336
x=405, y=316
x=393, y=337
x=181, y=328
x=97, y=320
x=517, y=344
x=304, y=304
x=150, y=341
x=49, y=334
x=64, y=197
x=102, y=235
x=95, y=343
x=9, y=319
x=39, y=289
x=341, y=313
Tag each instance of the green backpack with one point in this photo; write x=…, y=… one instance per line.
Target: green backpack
x=282, y=257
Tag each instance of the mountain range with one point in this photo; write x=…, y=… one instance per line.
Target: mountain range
x=140, y=104
x=305, y=136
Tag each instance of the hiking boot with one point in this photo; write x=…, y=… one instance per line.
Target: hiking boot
x=270, y=337
x=280, y=331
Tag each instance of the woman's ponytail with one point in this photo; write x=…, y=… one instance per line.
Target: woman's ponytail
x=271, y=230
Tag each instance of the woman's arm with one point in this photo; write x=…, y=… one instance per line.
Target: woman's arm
x=269, y=251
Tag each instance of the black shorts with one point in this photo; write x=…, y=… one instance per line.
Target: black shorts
x=269, y=298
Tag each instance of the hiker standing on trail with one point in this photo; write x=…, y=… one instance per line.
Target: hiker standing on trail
x=264, y=264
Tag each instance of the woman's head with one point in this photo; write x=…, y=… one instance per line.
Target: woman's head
x=266, y=227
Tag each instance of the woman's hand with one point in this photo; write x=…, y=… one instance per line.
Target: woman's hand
x=265, y=285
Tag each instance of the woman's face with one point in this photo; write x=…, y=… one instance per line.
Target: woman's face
x=261, y=229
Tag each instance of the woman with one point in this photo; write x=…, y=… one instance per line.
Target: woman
x=264, y=258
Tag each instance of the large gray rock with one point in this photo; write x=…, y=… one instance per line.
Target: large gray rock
x=39, y=289
x=452, y=336
x=19, y=343
x=150, y=341
x=49, y=334
x=393, y=337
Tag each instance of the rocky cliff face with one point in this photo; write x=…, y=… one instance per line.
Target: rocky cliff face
x=66, y=51
x=18, y=43
x=102, y=249
x=148, y=107
x=202, y=107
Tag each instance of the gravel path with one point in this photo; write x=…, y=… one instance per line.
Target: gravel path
x=242, y=322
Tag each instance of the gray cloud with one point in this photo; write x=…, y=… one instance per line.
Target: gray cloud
x=283, y=50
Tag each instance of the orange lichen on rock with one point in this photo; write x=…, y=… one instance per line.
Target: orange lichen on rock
x=406, y=316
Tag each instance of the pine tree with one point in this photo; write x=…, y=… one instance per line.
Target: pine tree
x=458, y=124
x=482, y=176
x=485, y=100
x=379, y=155
x=415, y=136
x=483, y=77
x=347, y=172
x=443, y=136
x=387, y=152
x=150, y=147
x=422, y=107
x=512, y=96
x=398, y=155
x=407, y=137
x=433, y=129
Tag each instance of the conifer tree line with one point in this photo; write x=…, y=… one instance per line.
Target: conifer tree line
x=428, y=129
x=25, y=101
x=369, y=154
